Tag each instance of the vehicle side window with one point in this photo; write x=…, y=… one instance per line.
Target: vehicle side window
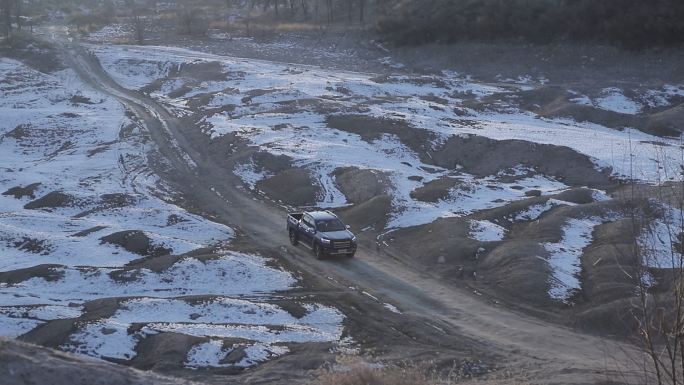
x=307, y=221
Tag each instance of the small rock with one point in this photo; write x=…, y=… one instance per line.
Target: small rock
x=237, y=355
x=195, y=316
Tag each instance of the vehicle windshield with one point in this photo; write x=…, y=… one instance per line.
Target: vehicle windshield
x=330, y=225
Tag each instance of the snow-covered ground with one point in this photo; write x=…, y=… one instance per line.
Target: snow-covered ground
x=258, y=91
x=613, y=99
x=660, y=239
x=265, y=325
x=533, y=212
x=486, y=231
x=565, y=257
x=232, y=274
x=628, y=152
x=78, y=152
x=64, y=136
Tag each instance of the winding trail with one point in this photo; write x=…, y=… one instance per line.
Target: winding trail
x=548, y=352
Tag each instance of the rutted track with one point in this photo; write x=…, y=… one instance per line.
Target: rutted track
x=549, y=352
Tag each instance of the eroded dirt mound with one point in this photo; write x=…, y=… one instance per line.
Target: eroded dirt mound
x=294, y=186
x=442, y=246
x=29, y=364
x=164, y=352
x=361, y=185
x=371, y=128
x=202, y=71
x=435, y=190
x=34, y=52
x=265, y=161
x=665, y=123
x=557, y=102
x=52, y=200
x=483, y=156
x=136, y=242
x=46, y=272
x=19, y=192
x=372, y=213
x=608, y=277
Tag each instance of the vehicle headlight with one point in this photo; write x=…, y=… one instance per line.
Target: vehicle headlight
x=326, y=241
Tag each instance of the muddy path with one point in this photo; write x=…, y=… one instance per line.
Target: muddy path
x=447, y=319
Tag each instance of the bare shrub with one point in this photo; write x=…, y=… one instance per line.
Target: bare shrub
x=355, y=371
x=658, y=306
x=366, y=375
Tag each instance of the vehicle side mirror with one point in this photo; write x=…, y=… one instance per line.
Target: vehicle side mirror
x=348, y=227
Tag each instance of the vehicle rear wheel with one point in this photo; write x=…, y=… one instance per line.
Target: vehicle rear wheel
x=318, y=252
x=350, y=255
x=293, y=238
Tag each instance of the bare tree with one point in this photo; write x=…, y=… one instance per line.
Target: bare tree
x=305, y=9
x=658, y=238
x=248, y=19
x=189, y=18
x=139, y=27
x=362, y=11
x=17, y=13
x=7, y=17
x=330, y=10
x=137, y=21
x=292, y=9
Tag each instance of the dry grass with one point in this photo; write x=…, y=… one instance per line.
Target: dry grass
x=367, y=375
x=354, y=371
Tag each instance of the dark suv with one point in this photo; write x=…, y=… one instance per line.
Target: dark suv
x=323, y=232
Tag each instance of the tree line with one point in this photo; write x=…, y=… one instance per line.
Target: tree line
x=330, y=11
x=630, y=23
x=10, y=14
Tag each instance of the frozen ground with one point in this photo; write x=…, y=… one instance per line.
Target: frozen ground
x=74, y=172
x=486, y=231
x=257, y=90
x=408, y=98
x=264, y=327
x=67, y=140
x=613, y=99
x=284, y=109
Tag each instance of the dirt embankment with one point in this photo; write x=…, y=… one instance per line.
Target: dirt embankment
x=24, y=363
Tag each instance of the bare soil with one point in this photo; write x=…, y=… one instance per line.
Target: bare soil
x=19, y=192
x=136, y=242
x=52, y=200
x=29, y=364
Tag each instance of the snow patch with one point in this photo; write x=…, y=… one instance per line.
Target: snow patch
x=486, y=231
x=658, y=240
x=233, y=273
x=612, y=99
x=565, y=257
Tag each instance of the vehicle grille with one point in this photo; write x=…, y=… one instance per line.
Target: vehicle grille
x=342, y=244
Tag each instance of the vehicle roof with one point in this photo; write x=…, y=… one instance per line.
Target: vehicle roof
x=321, y=215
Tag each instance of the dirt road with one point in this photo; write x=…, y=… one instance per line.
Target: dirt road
x=549, y=353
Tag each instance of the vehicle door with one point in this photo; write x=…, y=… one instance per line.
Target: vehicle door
x=307, y=230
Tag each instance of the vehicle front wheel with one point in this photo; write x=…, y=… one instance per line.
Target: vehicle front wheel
x=318, y=252
x=293, y=238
